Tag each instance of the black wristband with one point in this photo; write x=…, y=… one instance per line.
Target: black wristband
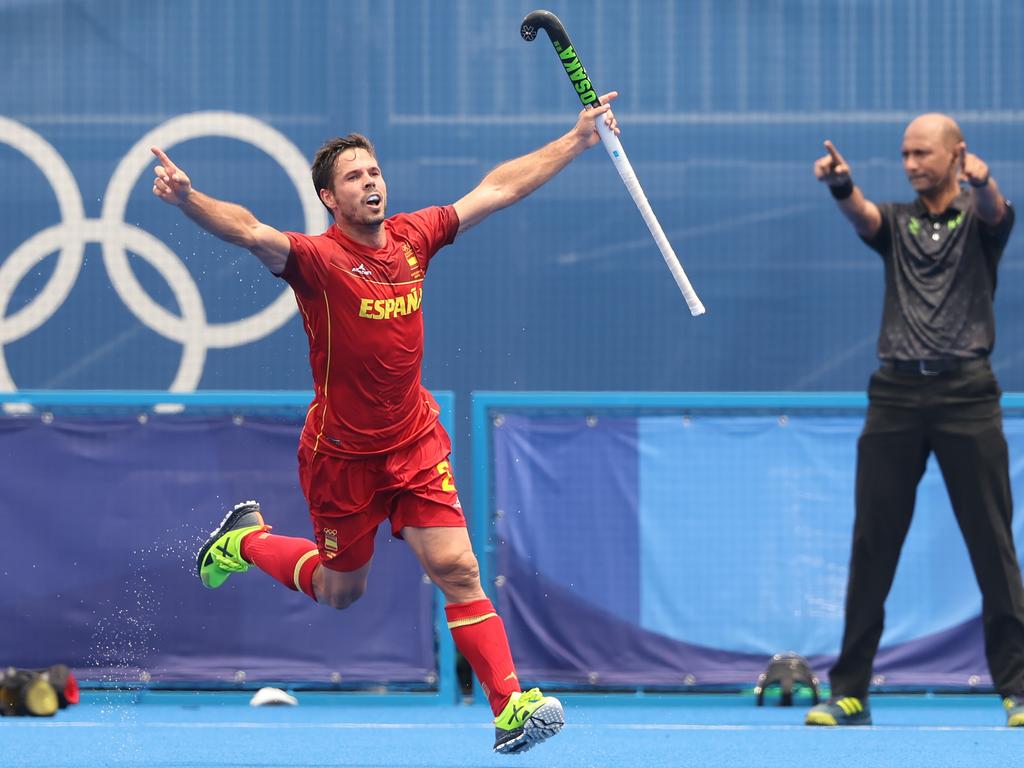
x=841, y=191
x=983, y=183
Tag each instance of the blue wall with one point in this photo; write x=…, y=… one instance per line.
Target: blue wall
x=724, y=106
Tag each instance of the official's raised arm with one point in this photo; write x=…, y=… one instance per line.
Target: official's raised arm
x=833, y=170
x=988, y=199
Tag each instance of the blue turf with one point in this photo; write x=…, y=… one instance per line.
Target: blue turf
x=189, y=730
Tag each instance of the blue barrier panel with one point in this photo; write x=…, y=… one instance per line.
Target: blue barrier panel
x=650, y=539
x=103, y=503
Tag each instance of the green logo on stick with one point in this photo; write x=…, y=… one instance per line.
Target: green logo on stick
x=574, y=69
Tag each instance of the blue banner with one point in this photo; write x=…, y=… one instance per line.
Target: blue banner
x=687, y=549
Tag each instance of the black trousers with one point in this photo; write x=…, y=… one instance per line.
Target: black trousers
x=956, y=415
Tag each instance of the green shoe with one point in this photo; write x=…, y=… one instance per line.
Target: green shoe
x=844, y=710
x=221, y=555
x=528, y=719
x=1014, y=706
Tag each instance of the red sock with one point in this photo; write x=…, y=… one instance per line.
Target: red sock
x=479, y=633
x=291, y=561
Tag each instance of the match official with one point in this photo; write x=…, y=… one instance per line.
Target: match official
x=933, y=392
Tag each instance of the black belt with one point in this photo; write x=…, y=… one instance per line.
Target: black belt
x=936, y=366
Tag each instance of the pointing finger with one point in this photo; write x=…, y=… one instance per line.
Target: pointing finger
x=836, y=157
x=163, y=158
x=608, y=98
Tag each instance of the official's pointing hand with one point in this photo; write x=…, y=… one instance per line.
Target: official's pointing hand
x=973, y=169
x=832, y=169
x=171, y=184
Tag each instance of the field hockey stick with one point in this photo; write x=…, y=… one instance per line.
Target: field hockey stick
x=584, y=88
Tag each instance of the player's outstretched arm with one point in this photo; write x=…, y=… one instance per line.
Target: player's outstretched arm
x=228, y=221
x=833, y=170
x=511, y=181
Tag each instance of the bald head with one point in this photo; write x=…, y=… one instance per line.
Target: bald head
x=933, y=155
x=935, y=127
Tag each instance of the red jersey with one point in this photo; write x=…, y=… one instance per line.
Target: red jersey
x=361, y=309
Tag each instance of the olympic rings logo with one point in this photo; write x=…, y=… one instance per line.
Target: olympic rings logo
x=117, y=238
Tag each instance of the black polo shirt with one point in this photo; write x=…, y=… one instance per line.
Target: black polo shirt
x=940, y=279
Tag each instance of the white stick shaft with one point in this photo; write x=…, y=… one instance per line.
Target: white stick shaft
x=628, y=176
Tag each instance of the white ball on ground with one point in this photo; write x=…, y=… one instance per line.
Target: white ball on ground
x=270, y=697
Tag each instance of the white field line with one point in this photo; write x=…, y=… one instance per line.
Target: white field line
x=477, y=726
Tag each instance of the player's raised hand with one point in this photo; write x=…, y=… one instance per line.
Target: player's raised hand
x=171, y=184
x=586, y=124
x=832, y=169
x=973, y=169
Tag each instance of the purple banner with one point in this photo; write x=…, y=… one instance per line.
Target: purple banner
x=100, y=520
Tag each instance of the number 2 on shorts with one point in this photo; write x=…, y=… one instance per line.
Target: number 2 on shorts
x=447, y=480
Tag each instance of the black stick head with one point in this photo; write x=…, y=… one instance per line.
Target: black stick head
x=538, y=20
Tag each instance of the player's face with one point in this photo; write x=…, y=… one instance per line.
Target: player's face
x=358, y=194
x=930, y=164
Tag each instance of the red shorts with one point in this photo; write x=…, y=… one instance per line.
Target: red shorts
x=349, y=498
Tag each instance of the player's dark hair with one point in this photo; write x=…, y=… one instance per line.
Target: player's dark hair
x=323, y=162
